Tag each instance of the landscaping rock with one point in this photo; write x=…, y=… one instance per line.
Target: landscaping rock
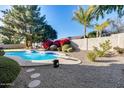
x=30, y=70
x=34, y=83
x=35, y=75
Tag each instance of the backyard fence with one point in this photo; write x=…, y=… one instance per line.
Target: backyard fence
x=12, y=46
x=88, y=43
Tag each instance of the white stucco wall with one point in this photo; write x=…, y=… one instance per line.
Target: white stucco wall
x=84, y=44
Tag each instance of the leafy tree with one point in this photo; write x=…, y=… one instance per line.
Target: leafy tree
x=47, y=32
x=9, y=37
x=25, y=21
x=84, y=17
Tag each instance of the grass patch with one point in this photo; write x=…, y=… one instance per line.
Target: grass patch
x=9, y=70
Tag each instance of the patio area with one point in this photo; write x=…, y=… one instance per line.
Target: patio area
x=109, y=73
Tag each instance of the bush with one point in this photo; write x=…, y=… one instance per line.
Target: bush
x=9, y=70
x=65, y=47
x=1, y=51
x=59, y=49
x=57, y=43
x=119, y=50
x=47, y=44
x=92, y=34
x=102, y=51
x=91, y=56
x=70, y=49
x=64, y=41
x=99, y=53
x=104, y=48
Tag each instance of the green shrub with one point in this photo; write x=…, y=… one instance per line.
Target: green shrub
x=9, y=70
x=70, y=49
x=104, y=48
x=99, y=53
x=92, y=34
x=65, y=47
x=119, y=50
x=2, y=52
x=91, y=56
x=59, y=49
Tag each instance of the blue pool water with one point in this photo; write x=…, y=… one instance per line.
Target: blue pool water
x=32, y=55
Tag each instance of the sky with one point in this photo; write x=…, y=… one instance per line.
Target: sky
x=60, y=18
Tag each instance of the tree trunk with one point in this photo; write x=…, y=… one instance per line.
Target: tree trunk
x=26, y=42
x=97, y=33
x=31, y=41
x=85, y=38
x=85, y=31
x=100, y=34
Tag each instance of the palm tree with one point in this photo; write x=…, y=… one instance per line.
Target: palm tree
x=101, y=27
x=84, y=17
x=102, y=9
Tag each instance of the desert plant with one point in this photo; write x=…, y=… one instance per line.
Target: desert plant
x=91, y=56
x=65, y=47
x=9, y=70
x=104, y=48
x=70, y=49
x=119, y=50
x=99, y=52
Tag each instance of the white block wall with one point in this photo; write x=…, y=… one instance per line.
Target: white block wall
x=87, y=44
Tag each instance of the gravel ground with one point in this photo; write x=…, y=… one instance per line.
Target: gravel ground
x=106, y=74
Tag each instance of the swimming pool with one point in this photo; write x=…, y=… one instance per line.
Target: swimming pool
x=33, y=55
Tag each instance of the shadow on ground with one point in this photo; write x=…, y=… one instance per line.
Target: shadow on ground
x=108, y=61
x=75, y=76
